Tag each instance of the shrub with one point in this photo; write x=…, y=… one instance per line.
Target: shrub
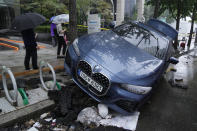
x=46, y=29
x=43, y=29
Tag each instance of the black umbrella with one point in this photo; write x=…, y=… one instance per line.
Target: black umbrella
x=27, y=21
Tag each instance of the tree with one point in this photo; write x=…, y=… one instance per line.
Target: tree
x=148, y=12
x=102, y=7
x=48, y=8
x=156, y=10
x=177, y=8
x=83, y=6
x=72, y=20
x=159, y=7
x=193, y=16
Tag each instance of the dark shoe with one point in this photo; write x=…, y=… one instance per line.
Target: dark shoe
x=35, y=68
x=62, y=56
x=27, y=68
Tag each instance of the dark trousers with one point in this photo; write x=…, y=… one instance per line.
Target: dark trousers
x=61, y=43
x=54, y=41
x=31, y=52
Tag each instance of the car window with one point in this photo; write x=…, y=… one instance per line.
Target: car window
x=154, y=46
x=131, y=33
x=143, y=39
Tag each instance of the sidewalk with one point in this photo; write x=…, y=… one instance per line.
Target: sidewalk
x=187, y=49
x=11, y=58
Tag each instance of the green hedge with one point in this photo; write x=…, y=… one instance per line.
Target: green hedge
x=46, y=29
x=43, y=29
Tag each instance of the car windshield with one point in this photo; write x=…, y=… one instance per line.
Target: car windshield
x=143, y=39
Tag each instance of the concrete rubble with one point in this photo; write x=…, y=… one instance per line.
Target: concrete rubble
x=103, y=111
x=90, y=116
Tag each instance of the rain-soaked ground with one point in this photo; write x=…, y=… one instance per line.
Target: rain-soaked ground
x=173, y=106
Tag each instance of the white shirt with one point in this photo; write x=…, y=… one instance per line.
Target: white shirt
x=59, y=30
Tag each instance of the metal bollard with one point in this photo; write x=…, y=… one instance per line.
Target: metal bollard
x=11, y=99
x=42, y=65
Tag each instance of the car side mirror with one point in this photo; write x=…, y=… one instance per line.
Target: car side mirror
x=173, y=60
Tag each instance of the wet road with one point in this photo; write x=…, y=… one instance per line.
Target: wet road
x=172, y=108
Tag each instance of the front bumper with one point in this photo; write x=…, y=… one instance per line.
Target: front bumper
x=116, y=98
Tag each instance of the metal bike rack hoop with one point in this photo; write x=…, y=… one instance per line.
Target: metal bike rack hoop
x=42, y=65
x=11, y=99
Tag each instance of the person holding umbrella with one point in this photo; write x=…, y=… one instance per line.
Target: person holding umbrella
x=25, y=24
x=58, y=20
x=61, y=41
x=29, y=38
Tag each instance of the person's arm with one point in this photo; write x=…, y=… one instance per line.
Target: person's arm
x=36, y=35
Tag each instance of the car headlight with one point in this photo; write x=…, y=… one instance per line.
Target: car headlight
x=75, y=46
x=136, y=89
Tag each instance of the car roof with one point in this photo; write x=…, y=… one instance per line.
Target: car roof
x=149, y=29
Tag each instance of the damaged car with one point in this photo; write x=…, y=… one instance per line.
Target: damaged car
x=119, y=67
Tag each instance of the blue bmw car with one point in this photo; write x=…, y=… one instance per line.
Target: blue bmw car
x=119, y=67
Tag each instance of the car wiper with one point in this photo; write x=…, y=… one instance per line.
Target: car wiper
x=144, y=37
x=149, y=33
x=140, y=41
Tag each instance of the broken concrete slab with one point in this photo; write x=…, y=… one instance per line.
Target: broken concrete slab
x=103, y=110
x=90, y=116
x=125, y=122
x=32, y=129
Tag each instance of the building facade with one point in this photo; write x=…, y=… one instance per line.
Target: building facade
x=8, y=10
x=128, y=8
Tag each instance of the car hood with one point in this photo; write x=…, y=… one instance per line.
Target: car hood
x=118, y=56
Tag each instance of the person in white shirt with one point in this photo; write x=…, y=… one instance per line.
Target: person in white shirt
x=61, y=41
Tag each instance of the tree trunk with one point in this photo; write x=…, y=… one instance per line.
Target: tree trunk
x=192, y=26
x=178, y=17
x=156, y=10
x=72, y=20
x=41, y=8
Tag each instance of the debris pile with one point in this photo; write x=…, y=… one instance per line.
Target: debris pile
x=92, y=117
x=175, y=79
x=74, y=111
x=70, y=100
x=177, y=83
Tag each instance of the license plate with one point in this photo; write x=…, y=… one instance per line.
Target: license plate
x=90, y=81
